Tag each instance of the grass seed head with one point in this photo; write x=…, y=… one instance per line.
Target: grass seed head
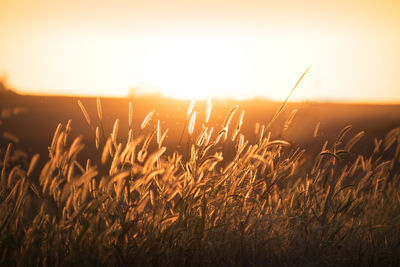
x=192, y=122
x=85, y=113
x=190, y=108
x=99, y=110
x=130, y=115
x=97, y=137
x=208, y=109
x=316, y=129
x=147, y=119
x=114, y=133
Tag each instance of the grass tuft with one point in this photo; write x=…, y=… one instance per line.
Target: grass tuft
x=139, y=203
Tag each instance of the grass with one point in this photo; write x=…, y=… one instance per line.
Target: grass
x=137, y=203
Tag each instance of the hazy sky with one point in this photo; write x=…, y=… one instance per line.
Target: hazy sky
x=185, y=49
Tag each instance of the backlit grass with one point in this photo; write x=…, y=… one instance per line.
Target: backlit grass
x=137, y=203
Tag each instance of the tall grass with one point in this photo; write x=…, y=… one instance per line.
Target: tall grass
x=136, y=203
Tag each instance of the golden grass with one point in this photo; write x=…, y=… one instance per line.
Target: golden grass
x=137, y=203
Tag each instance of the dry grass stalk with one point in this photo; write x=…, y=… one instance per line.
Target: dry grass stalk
x=316, y=129
x=163, y=137
x=85, y=113
x=228, y=119
x=158, y=131
x=114, y=133
x=52, y=148
x=97, y=140
x=32, y=164
x=107, y=150
x=229, y=207
x=130, y=115
x=130, y=137
x=192, y=122
x=99, y=110
x=148, y=166
x=278, y=112
x=238, y=126
x=147, y=119
x=342, y=134
x=354, y=140
x=190, y=108
x=289, y=121
x=208, y=109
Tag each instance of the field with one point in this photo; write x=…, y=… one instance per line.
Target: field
x=88, y=181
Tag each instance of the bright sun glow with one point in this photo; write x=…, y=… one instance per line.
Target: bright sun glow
x=178, y=65
x=196, y=49
x=218, y=66
x=199, y=68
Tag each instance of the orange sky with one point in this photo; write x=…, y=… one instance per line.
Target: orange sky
x=185, y=49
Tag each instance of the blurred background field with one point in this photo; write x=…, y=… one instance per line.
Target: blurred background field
x=33, y=119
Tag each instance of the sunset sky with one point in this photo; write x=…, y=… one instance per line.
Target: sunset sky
x=221, y=48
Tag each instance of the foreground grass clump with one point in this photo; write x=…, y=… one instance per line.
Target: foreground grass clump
x=134, y=203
